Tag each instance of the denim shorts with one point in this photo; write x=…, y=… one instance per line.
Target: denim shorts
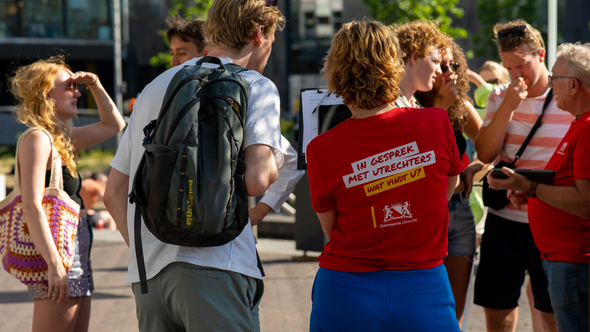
x=416, y=300
x=568, y=288
x=461, y=228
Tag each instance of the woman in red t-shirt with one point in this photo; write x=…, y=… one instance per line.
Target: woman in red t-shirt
x=380, y=182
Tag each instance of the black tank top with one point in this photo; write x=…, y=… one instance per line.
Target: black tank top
x=461, y=143
x=72, y=185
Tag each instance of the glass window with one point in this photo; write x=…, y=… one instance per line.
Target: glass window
x=77, y=19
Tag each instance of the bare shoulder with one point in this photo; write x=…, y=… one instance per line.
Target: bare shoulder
x=35, y=147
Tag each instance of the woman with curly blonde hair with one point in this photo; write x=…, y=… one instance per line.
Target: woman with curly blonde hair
x=47, y=92
x=379, y=184
x=464, y=118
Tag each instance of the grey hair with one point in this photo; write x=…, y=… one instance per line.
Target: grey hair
x=577, y=60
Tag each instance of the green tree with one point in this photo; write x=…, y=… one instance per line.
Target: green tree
x=188, y=9
x=490, y=12
x=402, y=11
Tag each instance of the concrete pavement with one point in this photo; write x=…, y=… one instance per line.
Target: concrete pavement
x=285, y=307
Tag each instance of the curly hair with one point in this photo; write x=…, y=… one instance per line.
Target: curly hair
x=420, y=38
x=233, y=23
x=524, y=34
x=364, y=64
x=31, y=85
x=457, y=112
x=192, y=31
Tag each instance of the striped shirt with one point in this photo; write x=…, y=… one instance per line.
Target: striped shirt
x=555, y=124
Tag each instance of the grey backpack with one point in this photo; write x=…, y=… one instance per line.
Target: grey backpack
x=189, y=186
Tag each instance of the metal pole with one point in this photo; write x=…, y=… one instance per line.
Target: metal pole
x=551, y=33
x=117, y=67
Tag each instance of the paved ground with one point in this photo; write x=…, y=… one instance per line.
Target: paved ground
x=285, y=306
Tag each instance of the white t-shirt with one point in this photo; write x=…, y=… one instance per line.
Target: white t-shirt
x=262, y=127
x=555, y=124
x=288, y=177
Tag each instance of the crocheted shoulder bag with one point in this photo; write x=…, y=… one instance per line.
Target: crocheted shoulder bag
x=19, y=256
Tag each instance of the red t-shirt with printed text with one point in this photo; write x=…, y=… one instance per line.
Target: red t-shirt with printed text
x=559, y=235
x=386, y=176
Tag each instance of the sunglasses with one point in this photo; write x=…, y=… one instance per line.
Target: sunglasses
x=551, y=78
x=517, y=31
x=493, y=81
x=73, y=87
x=271, y=3
x=452, y=66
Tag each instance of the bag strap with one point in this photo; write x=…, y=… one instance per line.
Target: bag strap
x=211, y=59
x=56, y=177
x=533, y=130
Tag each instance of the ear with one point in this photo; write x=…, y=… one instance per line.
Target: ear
x=413, y=58
x=542, y=54
x=574, y=86
x=259, y=35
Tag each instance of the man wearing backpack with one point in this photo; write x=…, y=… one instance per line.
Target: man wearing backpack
x=507, y=248
x=188, y=41
x=206, y=288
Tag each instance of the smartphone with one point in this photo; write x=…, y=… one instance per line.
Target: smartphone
x=537, y=175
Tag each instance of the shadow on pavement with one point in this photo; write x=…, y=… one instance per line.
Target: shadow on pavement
x=14, y=297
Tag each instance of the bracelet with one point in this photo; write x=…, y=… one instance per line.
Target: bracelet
x=532, y=190
x=95, y=79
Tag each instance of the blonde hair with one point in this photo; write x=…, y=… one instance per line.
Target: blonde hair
x=233, y=23
x=420, y=37
x=364, y=64
x=498, y=70
x=577, y=60
x=530, y=36
x=31, y=85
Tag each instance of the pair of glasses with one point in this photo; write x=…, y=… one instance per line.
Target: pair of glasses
x=493, y=81
x=518, y=31
x=73, y=87
x=271, y=3
x=452, y=66
x=551, y=78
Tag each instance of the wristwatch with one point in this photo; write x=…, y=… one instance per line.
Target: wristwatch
x=532, y=189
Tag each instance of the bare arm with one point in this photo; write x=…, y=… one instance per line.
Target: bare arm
x=111, y=121
x=490, y=139
x=474, y=122
x=328, y=221
x=115, y=200
x=452, y=183
x=574, y=200
x=258, y=212
x=33, y=165
x=261, y=169
x=474, y=78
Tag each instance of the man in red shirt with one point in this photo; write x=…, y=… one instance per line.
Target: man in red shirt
x=559, y=214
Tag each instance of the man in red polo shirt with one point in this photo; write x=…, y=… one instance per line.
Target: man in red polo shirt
x=559, y=214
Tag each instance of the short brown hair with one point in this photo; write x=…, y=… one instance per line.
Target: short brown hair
x=192, y=31
x=233, y=23
x=364, y=64
x=523, y=33
x=419, y=37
